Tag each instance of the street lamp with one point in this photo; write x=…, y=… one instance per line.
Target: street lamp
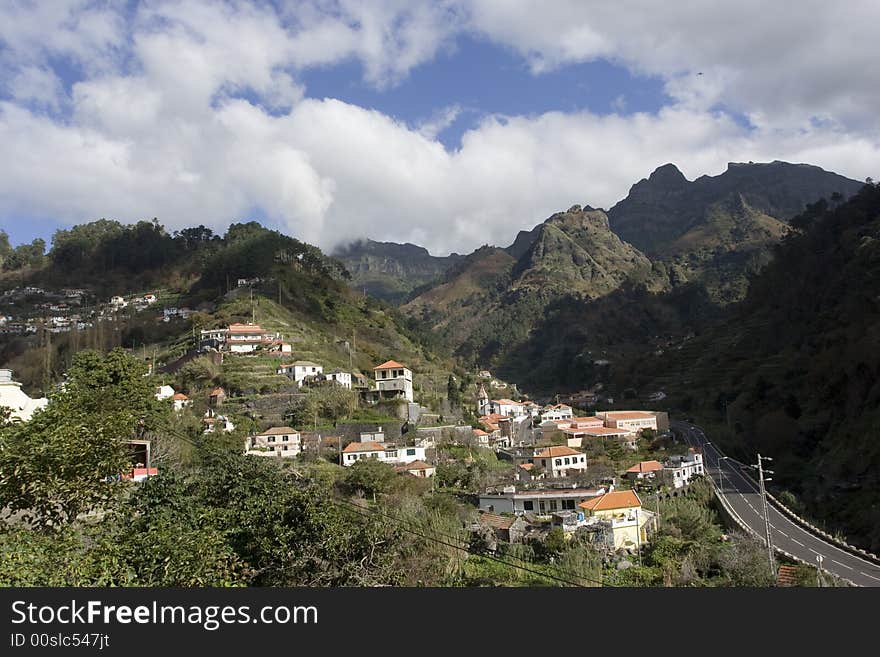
x=761, y=480
x=721, y=474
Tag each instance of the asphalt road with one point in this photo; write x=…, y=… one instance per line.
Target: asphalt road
x=743, y=497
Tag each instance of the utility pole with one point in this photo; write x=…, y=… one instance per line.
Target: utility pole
x=761, y=480
x=819, y=559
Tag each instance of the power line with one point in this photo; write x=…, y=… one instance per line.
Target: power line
x=494, y=556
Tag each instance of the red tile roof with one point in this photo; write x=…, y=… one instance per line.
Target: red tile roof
x=245, y=328
x=619, y=499
x=628, y=415
x=216, y=392
x=277, y=431
x=180, y=397
x=415, y=465
x=605, y=431
x=364, y=447
x=646, y=466
x=388, y=365
x=557, y=450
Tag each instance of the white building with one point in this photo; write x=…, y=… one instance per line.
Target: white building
x=680, y=469
x=393, y=380
x=556, y=412
x=180, y=401
x=354, y=452
x=340, y=378
x=541, y=501
x=12, y=397
x=164, y=392
x=118, y=302
x=507, y=408
x=301, y=369
x=217, y=423
x=633, y=421
x=284, y=442
x=560, y=461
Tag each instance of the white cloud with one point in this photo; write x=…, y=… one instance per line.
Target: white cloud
x=158, y=125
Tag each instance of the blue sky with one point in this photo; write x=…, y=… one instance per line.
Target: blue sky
x=451, y=123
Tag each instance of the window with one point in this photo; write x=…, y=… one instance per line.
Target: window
x=271, y=439
x=553, y=505
x=271, y=448
x=559, y=461
x=528, y=505
x=374, y=455
x=583, y=458
x=410, y=452
x=568, y=504
x=391, y=455
x=284, y=438
x=567, y=461
x=284, y=448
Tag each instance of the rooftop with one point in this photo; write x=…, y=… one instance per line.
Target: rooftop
x=646, y=466
x=390, y=364
x=557, y=450
x=619, y=499
x=628, y=415
x=364, y=447
x=277, y=431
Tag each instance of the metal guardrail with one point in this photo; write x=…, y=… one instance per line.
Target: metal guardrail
x=806, y=524
x=733, y=515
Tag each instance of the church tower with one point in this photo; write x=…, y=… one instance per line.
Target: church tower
x=482, y=401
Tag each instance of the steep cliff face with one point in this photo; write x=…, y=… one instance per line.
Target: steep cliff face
x=391, y=271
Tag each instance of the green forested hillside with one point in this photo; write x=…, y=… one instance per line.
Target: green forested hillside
x=794, y=370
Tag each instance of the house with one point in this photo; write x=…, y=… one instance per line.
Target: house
x=507, y=407
x=679, y=470
x=481, y=438
x=247, y=338
x=629, y=521
x=539, y=501
x=216, y=398
x=150, y=299
x=238, y=338
x=633, y=421
x=339, y=377
x=164, y=392
x=301, y=370
x=180, y=401
x=117, y=303
x=21, y=406
x=485, y=374
x=277, y=441
x=393, y=381
x=645, y=470
x=526, y=472
x=560, y=461
x=417, y=469
x=556, y=412
x=507, y=528
x=356, y=451
x=217, y=423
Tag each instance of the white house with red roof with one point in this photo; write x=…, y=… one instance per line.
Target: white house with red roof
x=560, y=460
x=384, y=452
x=556, y=412
x=240, y=338
x=393, y=380
x=417, y=469
x=180, y=401
x=623, y=511
x=508, y=408
x=284, y=442
x=645, y=470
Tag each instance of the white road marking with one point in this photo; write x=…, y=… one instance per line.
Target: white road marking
x=871, y=576
x=794, y=540
x=843, y=564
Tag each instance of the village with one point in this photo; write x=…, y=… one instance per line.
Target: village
x=552, y=466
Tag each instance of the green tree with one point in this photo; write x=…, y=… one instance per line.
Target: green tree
x=370, y=476
x=62, y=462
